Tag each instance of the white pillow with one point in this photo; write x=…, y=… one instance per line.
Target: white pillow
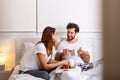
x=28, y=46
x=27, y=55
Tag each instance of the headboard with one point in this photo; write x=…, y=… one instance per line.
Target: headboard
x=93, y=45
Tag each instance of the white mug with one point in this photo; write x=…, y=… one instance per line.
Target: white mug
x=72, y=62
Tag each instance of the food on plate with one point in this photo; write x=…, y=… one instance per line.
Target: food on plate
x=67, y=67
x=64, y=67
x=71, y=67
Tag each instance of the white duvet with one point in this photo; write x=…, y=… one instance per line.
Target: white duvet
x=93, y=74
x=24, y=77
x=16, y=76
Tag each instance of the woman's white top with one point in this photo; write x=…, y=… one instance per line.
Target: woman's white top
x=30, y=60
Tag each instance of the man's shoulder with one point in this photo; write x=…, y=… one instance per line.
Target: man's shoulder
x=63, y=41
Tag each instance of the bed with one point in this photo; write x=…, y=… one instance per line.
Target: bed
x=92, y=74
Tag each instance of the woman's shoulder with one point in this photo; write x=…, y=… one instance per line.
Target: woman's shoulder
x=40, y=45
x=40, y=48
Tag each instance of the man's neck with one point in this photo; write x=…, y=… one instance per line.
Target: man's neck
x=73, y=41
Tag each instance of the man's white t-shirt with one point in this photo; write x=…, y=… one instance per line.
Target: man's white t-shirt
x=30, y=60
x=71, y=46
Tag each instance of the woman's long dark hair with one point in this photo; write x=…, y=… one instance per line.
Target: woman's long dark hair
x=47, y=38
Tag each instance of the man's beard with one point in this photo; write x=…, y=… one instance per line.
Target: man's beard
x=70, y=39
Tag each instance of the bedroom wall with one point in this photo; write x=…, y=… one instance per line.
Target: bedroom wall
x=86, y=13
x=17, y=15
x=34, y=15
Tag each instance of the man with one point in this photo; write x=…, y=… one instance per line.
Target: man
x=72, y=45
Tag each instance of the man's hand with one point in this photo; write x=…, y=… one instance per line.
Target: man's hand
x=84, y=55
x=66, y=52
x=80, y=51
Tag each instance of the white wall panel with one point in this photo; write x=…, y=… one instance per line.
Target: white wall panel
x=18, y=15
x=57, y=13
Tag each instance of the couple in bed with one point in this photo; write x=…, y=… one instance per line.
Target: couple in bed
x=43, y=60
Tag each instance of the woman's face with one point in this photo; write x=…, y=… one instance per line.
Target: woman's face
x=54, y=37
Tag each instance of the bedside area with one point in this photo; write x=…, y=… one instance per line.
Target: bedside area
x=5, y=74
x=7, y=57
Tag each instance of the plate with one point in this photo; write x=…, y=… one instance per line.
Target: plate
x=59, y=70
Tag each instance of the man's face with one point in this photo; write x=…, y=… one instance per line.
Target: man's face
x=71, y=34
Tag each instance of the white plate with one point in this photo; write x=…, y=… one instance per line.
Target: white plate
x=59, y=70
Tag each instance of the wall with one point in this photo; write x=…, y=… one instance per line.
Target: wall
x=34, y=15
x=17, y=15
x=57, y=13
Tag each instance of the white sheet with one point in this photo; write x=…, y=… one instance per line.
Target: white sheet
x=16, y=76
x=93, y=74
x=24, y=77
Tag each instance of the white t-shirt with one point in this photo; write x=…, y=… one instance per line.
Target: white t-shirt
x=40, y=48
x=66, y=45
x=74, y=47
x=30, y=60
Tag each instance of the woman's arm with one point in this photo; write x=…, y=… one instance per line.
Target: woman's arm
x=52, y=61
x=48, y=66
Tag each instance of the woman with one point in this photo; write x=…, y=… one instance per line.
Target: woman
x=44, y=52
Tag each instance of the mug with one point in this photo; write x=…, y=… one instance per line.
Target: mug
x=71, y=63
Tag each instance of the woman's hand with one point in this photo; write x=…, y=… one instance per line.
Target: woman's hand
x=64, y=62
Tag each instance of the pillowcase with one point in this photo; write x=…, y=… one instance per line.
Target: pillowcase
x=27, y=55
x=28, y=46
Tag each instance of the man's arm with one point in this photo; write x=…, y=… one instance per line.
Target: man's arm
x=85, y=56
x=58, y=56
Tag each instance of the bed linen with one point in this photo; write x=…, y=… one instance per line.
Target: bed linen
x=16, y=76
x=92, y=74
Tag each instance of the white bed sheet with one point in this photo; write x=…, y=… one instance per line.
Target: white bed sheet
x=16, y=76
x=93, y=74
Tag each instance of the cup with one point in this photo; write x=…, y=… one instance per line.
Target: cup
x=71, y=63
x=73, y=52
